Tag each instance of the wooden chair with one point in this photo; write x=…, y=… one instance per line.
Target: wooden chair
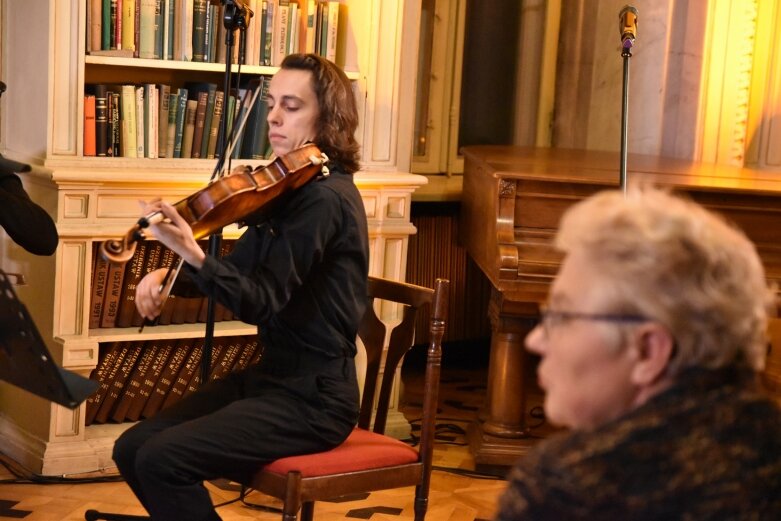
x=368, y=460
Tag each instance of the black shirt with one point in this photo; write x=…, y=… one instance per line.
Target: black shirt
x=25, y=222
x=300, y=275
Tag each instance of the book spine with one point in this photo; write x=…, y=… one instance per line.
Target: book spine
x=162, y=352
x=129, y=25
x=164, y=95
x=186, y=374
x=199, y=30
x=116, y=273
x=178, y=357
x=130, y=392
x=98, y=291
x=189, y=128
x=128, y=110
x=117, y=387
x=109, y=360
x=89, y=125
x=101, y=119
x=215, y=124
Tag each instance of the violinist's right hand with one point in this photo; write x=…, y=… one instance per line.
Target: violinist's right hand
x=149, y=300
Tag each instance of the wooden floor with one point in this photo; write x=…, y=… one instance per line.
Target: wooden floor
x=455, y=494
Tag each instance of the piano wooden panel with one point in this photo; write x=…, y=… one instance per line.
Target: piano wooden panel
x=512, y=201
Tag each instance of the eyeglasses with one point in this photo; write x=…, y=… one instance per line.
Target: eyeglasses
x=549, y=319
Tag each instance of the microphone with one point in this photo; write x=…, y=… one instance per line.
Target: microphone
x=627, y=26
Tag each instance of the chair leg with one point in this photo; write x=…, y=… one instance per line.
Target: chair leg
x=421, y=503
x=307, y=511
x=292, y=496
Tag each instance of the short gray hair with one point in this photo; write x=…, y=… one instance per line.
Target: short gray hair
x=672, y=260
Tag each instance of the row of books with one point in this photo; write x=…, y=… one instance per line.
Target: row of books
x=112, y=300
x=157, y=120
x=139, y=378
x=193, y=30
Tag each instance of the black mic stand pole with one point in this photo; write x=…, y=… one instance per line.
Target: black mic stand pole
x=236, y=15
x=628, y=27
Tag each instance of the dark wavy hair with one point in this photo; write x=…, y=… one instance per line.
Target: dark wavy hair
x=338, y=111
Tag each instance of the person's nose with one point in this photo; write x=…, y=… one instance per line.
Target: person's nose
x=535, y=340
x=274, y=116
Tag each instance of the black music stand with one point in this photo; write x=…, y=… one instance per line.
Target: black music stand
x=24, y=360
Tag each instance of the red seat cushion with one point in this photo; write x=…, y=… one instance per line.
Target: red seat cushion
x=361, y=450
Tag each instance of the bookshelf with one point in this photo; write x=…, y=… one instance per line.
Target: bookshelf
x=96, y=198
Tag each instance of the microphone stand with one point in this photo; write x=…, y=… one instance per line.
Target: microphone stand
x=628, y=27
x=236, y=15
x=626, y=53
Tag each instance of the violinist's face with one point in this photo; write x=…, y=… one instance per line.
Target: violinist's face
x=292, y=110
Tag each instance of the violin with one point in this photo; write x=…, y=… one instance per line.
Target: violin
x=230, y=199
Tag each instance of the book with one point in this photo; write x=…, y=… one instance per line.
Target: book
x=151, y=124
x=218, y=348
x=216, y=123
x=173, y=105
x=164, y=96
x=207, y=120
x=280, y=34
x=189, y=128
x=115, y=125
x=108, y=361
x=199, y=30
x=116, y=24
x=189, y=369
x=116, y=273
x=246, y=354
x=333, y=30
x=161, y=350
x=181, y=110
x=117, y=386
x=89, y=125
x=307, y=44
x=99, y=277
x=129, y=25
x=180, y=354
x=140, y=123
x=256, y=133
x=95, y=39
x=128, y=146
x=134, y=381
x=200, y=122
x=225, y=365
x=100, y=91
x=105, y=27
x=147, y=30
x=133, y=274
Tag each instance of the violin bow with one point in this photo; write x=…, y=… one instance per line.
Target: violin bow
x=165, y=290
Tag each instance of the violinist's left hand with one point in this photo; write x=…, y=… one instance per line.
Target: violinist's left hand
x=175, y=232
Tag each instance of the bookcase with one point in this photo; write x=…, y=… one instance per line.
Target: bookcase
x=92, y=199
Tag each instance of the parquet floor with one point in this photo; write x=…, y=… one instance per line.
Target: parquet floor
x=455, y=494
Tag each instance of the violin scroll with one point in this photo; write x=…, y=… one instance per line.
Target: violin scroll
x=120, y=251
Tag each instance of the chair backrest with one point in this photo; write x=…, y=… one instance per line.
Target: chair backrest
x=372, y=332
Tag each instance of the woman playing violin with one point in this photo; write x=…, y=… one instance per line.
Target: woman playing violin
x=300, y=276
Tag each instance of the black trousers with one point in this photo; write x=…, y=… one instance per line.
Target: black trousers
x=229, y=429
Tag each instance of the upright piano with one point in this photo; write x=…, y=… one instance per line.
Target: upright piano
x=513, y=198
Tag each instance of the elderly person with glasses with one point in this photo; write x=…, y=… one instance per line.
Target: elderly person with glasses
x=650, y=348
